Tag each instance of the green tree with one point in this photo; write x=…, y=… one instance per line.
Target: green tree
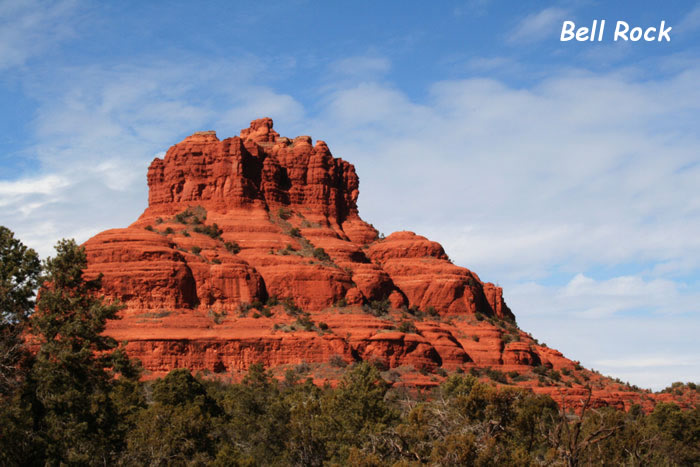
x=256, y=418
x=19, y=272
x=76, y=366
x=356, y=411
x=179, y=427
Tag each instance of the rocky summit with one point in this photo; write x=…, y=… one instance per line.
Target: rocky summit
x=252, y=250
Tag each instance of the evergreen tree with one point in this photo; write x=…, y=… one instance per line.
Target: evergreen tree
x=179, y=427
x=76, y=366
x=19, y=271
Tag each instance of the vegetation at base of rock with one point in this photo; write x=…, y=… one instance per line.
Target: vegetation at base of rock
x=184, y=418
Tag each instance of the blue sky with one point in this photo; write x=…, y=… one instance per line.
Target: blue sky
x=566, y=172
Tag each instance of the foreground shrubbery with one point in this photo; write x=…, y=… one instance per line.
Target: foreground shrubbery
x=183, y=419
x=78, y=401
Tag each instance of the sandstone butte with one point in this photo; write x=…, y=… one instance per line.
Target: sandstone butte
x=252, y=250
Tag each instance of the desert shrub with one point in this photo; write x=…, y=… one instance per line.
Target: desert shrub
x=295, y=232
x=496, y=375
x=379, y=363
x=305, y=322
x=216, y=317
x=518, y=377
x=377, y=307
x=337, y=361
x=320, y=254
x=475, y=338
x=169, y=231
x=284, y=213
x=408, y=327
x=244, y=308
x=291, y=307
x=191, y=215
x=232, y=247
x=342, y=303
x=196, y=250
x=149, y=227
x=212, y=230
x=323, y=326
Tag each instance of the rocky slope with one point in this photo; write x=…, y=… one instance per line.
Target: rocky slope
x=252, y=250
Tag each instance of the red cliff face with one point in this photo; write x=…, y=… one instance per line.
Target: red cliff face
x=252, y=250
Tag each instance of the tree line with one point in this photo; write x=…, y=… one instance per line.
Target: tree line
x=71, y=396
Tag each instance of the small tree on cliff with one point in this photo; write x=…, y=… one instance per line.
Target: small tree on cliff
x=76, y=366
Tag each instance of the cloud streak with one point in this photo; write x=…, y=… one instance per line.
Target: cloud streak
x=29, y=28
x=538, y=26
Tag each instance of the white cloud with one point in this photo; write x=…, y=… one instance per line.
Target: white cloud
x=42, y=185
x=538, y=26
x=585, y=297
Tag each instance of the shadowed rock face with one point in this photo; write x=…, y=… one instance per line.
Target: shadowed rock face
x=263, y=218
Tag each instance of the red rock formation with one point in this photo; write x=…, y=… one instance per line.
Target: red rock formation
x=234, y=223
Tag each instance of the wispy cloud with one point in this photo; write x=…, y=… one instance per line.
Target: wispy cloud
x=691, y=22
x=366, y=67
x=538, y=26
x=31, y=27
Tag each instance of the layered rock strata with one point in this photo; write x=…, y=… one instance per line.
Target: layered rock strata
x=252, y=250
